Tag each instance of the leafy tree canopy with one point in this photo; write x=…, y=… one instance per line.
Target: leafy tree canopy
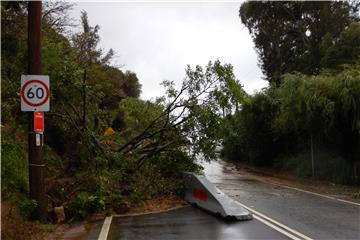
x=296, y=36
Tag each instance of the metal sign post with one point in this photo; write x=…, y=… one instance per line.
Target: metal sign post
x=35, y=140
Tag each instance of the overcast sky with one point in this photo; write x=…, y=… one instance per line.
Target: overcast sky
x=158, y=40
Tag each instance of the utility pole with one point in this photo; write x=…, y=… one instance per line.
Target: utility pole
x=36, y=163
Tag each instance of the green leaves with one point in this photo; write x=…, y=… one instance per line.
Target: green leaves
x=279, y=121
x=315, y=103
x=86, y=203
x=302, y=37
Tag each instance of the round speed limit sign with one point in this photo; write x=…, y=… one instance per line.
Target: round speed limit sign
x=35, y=93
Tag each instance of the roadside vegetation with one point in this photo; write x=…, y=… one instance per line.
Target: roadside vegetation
x=308, y=119
x=107, y=150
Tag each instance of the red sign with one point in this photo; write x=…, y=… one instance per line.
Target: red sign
x=39, y=121
x=200, y=194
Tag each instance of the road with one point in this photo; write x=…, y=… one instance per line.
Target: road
x=279, y=213
x=188, y=223
x=314, y=216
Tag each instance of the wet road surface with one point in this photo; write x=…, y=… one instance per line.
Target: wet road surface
x=291, y=214
x=314, y=216
x=188, y=223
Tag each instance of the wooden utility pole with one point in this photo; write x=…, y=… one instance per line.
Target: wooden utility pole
x=36, y=163
x=312, y=155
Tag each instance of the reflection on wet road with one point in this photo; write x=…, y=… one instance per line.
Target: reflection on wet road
x=294, y=214
x=188, y=223
x=314, y=216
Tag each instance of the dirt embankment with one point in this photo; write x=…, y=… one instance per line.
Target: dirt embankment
x=14, y=227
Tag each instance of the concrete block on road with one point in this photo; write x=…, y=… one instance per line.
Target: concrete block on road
x=201, y=192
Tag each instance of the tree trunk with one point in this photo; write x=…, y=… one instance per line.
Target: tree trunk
x=84, y=100
x=312, y=155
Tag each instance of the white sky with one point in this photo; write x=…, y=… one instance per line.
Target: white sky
x=158, y=40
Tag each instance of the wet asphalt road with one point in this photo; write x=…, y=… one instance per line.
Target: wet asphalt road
x=188, y=223
x=313, y=216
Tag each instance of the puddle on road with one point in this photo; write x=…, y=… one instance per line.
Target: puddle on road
x=218, y=171
x=226, y=177
x=213, y=168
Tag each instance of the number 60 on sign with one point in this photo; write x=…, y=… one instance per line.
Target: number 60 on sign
x=35, y=93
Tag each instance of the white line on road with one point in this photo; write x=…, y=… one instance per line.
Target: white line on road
x=261, y=217
x=105, y=228
x=276, y=228
x=317, y=194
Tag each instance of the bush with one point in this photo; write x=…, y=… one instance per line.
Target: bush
x=14, y=165
x=252, y=138
x=27, y=207
x=327, y=166
x=86, y=203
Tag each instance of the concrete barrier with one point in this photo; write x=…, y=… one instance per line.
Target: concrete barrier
x=201, y=192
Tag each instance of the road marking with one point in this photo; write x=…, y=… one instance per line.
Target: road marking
x=317, y=194
x=107, y=222
x=276, y=228
x=272, y=222
x=105, y=228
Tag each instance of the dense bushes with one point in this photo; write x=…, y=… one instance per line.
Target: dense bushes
x=14, y=167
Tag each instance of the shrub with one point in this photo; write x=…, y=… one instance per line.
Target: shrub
x=86, y=203
x=27, y=207
x=14, y=165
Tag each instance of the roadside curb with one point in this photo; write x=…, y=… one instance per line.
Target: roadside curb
x=107, y=222
x=105, y=228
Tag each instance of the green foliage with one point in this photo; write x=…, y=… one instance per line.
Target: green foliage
x=154, y=141
x=86, y=203
x=356, y=195
x=328, y=166
x=213, y=94
x=14, y=165
x=71, y=147
x=346, y=50
x=250, y=136
x=316, y=103
x=274, y=127
x=27, y=207
x=300, y=36
x=137, y=115
x=304, y=37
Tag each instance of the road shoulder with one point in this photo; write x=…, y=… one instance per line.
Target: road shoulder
x=284, y=179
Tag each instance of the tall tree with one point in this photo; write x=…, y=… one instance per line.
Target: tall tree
x=289, y=36
x=86, y=44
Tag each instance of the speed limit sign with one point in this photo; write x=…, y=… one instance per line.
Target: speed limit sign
x=35, y=93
